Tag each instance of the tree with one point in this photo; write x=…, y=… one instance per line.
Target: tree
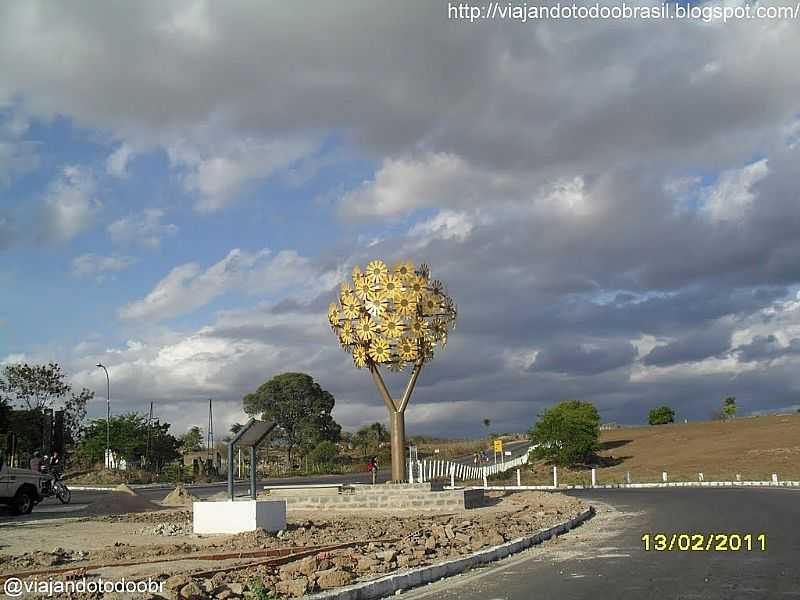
x=661, y=416
x=300, y=408
x=37, y=388
x=192, y=440
x=729, y=407
x=363, y=439
x=236, y=428
x=324, y=453
x=128, y=439
x=5, y=415
x=568, y=433
x=378, y=433
x=487, y=423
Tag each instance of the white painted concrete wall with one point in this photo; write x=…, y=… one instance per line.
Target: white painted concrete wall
x=239, y=516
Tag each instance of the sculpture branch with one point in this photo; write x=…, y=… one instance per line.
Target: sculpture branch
x=387, y=398
x=411, y=383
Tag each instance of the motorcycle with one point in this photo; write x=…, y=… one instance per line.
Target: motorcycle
x=55, y=486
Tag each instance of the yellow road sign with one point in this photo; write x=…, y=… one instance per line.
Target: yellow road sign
x=498, y=445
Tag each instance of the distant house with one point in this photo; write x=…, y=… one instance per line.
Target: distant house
x=611, y=425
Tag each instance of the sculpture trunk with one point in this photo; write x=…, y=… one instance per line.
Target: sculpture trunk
x=398, y=424
x=397, y=420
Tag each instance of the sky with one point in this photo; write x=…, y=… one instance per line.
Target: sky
x=613, y=205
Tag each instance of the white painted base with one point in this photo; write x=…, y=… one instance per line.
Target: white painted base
x=237, y=517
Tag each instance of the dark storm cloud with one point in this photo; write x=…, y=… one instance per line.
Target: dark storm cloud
x=767, y=347
x=576, y=359
x=696, y=346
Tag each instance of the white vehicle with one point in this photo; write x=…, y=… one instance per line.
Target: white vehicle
x=21, y=489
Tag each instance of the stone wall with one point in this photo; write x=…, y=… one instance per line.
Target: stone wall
x=417, y=497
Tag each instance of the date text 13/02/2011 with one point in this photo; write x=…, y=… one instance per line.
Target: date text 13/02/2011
x=704, y=542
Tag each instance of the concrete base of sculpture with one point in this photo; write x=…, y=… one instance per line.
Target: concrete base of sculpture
x=387, y=497
x=239, y=516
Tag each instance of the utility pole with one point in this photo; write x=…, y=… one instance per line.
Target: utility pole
x=108, y=416
x=149, y=425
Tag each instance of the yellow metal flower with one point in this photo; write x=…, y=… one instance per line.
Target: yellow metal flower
x=396, y=364
x=418, y=328
x=430, y=304
x=356, y=273
x=377, y=271
x=333, y=315
x=393, y=288
x=416, y=285
x=366, y=328
x=351, y=307
x=347, y=334
x=379, y=350
x=345, y=292
x=377, y=305
x=406, y=305
x=360, y=356
x=403, y=269
x=407, y=349
x=392, y=326
x=437, y=287
x=439, y=329
x=362, y=287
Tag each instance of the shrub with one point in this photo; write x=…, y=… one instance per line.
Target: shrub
x=661, y=416
x=567, y=434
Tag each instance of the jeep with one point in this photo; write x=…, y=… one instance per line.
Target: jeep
x=20, y=489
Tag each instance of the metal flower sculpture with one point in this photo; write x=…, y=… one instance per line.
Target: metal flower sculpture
x=393, y=317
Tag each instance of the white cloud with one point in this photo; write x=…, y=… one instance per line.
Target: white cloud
x=70, y=204
x=731, y=196
x=145, y=229
x=117, y=162
x=92, y=265
x=218, y=170
x=188, y=287
x=446, y=225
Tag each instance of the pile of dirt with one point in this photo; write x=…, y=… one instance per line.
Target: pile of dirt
x=122, y=500
x=180, y=496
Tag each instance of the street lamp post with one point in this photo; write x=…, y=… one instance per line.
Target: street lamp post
x=108, y=413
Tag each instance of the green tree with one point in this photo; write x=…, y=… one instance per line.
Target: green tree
x=300, y=408
x=378, y=433
x=324, y=453
x=729, y=407
x=363, y=439
x=192, y=440
x=661, y=416
x=5, y=415
x=128, y=439
x=567, y=434
x=36, y=388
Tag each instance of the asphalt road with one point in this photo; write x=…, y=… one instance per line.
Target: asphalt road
x=606, y=559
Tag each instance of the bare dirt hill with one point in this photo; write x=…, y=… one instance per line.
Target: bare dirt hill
x=754, y=447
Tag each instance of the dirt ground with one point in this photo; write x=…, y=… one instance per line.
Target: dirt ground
x=379, y=544
x=754, y=447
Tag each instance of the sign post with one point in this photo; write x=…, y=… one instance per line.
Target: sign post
x=498, y=449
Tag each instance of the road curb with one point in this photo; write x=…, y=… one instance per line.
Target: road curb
x=671, y=484
x=387, y=586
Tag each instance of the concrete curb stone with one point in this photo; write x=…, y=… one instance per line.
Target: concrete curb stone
x=387, y=586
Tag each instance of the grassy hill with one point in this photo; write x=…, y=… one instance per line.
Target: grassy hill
x=754, y=447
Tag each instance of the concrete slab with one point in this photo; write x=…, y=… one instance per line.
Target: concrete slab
x=239, y=516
